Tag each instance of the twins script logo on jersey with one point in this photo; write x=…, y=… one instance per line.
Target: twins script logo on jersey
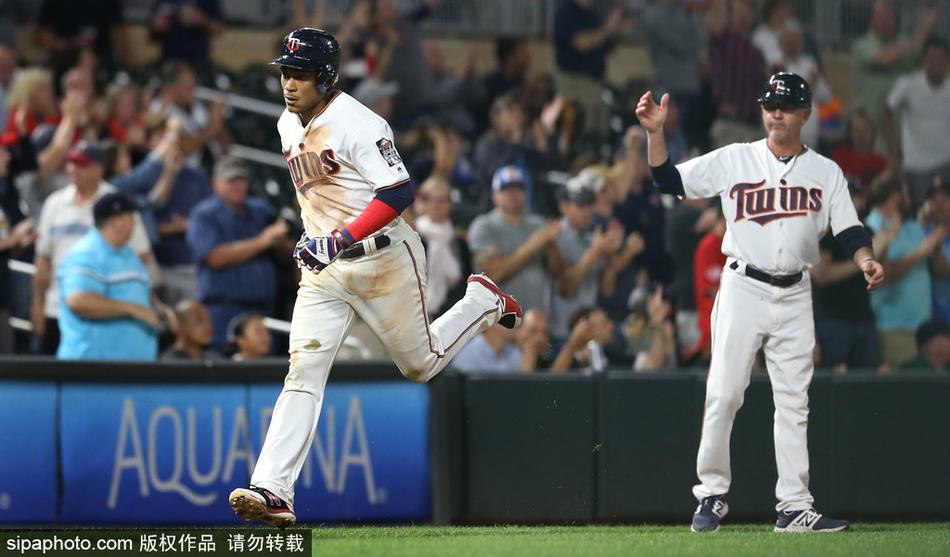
x=757, y=203
x=309, y=169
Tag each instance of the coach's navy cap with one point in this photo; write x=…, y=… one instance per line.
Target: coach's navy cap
x=85, y=153
x=787, y=89
x=112, y=204
x=507, y=176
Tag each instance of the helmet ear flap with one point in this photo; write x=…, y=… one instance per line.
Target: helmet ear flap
x=326, y=78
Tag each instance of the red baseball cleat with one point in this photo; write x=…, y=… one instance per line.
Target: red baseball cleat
x=511, y=312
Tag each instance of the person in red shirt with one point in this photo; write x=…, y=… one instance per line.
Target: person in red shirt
x=708, y=262
x=858, y=159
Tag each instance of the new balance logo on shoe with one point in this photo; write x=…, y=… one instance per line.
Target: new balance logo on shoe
x=808, y=520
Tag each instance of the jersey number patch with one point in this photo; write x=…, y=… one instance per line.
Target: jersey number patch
x=388, y=151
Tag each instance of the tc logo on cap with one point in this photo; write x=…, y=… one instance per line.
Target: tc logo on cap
x=778, y=86
x=293, y=44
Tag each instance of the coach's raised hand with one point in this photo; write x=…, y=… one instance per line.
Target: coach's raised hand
x=652, y=116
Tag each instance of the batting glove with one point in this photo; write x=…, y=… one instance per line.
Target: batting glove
x=316, y=253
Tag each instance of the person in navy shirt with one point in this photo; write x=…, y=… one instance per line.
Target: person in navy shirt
x=105, y=294
x=185, y=27
x=231, y=236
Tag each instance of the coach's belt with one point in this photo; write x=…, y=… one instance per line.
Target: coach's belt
x=368, y=246
x=782, y=281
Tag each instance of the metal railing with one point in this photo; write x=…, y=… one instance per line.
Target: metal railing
x=281, y=326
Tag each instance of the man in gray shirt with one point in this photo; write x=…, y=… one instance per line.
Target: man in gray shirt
x=582, y=254
x=509, y=244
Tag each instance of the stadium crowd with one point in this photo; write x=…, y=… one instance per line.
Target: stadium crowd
x=537, y=179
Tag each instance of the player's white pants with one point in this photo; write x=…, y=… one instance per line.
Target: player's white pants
x=386, y=290
x=749, y=314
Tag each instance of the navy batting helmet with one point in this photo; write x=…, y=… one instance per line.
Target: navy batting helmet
x=787, y=89
x=312, y=50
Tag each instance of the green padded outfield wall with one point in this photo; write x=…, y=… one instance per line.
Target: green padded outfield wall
x=619, y=447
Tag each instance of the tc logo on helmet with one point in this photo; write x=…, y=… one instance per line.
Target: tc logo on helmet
x=778, y=86
x=293, y=44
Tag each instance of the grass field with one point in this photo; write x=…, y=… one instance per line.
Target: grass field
x=863, y=540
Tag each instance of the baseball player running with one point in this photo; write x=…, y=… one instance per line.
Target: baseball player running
x=779, y=198
x=358, y=258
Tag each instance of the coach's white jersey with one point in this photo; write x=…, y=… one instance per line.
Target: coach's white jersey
x=776, y=212
x=338, y=162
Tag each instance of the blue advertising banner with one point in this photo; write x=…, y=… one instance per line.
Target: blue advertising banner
x=153, y=454
x=370, y=457
x=27, y=452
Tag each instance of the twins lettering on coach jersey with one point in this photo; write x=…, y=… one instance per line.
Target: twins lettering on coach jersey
x=757, y=203
x=803, y=197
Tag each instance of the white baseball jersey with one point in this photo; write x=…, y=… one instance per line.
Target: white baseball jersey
x=776, y=212
x=338, y=161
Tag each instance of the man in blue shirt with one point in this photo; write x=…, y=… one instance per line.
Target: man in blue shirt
x=911, y=254
x=105, y=294
x=231, y=236
x=940, y=223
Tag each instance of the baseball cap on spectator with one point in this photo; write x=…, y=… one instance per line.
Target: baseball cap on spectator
x=930, y=330
x=85, y=153
x=110, y=205
x=583, y=188
x=507, y=176
x=371, y=90
x=229, y=168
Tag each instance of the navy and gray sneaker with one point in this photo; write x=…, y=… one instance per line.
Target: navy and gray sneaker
x=708, y=514
x=808, y=520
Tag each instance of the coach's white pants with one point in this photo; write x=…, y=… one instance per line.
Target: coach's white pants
x=386, y=290
x=747, y=315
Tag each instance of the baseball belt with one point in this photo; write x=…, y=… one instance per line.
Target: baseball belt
x=368, y=246
x=782, y=281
